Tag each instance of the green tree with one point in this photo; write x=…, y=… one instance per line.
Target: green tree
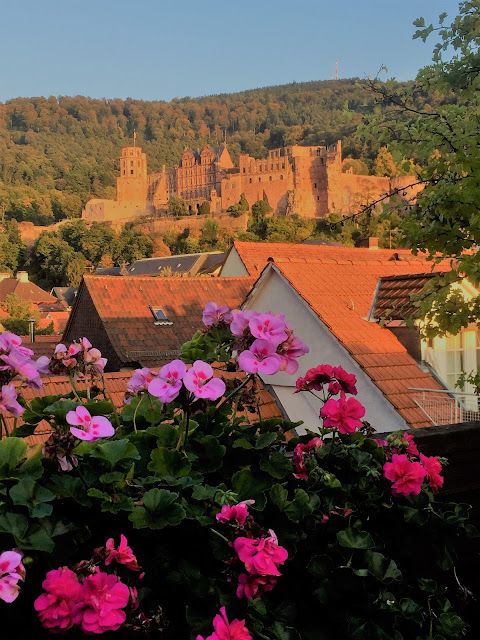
x=384, y=164
x=258, y=223
x=359, y=167
x=130, y=246
x=75, y=270
x=96, y=241
x=443, y=138
x=243, y=205
x=19, y=309
x=209, y=237
x=177, y=207
x=74, y=233
x=204, y=208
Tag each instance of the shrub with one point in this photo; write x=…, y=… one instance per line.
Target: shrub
x=335, y=534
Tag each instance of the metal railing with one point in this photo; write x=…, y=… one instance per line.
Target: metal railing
x=442, y=406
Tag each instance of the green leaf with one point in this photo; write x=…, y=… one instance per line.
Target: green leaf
x=362, y=458
x=114, y=451
x=69, y=487
x=210, y=453
x=278, y=496
x=452, y=624
x=12, y=452
x=265, y=440
x=25, y=430
x=411, y=610
x=242, y=443
x=204, y=492
x=166, y=434
x=110, y=478
x=40, y=540
x=168, y=462
x=354, y=539
x=14, y=523
x=30, y=494
x=299, y=507
x=100, y=407
x=60, y=408
x=277, y=465
x=251, y=487
x=160, y=509
x=382, y=568
x=320, y=567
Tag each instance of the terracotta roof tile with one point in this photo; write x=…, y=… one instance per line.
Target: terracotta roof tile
x=120, y=308
x=341, y=296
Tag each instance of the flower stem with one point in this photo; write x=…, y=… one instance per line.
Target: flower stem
x=75, y=390
x=135, y=413
x=235, y=391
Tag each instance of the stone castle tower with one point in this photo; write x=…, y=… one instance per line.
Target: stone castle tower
x=132, y=183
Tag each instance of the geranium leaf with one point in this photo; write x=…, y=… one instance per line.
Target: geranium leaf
x=354, y=539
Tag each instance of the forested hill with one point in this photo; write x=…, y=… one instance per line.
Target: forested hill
x=55, y=153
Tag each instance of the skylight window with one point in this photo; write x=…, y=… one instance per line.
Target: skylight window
x=160, y=316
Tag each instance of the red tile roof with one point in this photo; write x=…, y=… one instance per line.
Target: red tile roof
x=116, y=384
x=255, y=255
x=24, y=290
x=341, y=295
x=43, y=345
x=114, y=314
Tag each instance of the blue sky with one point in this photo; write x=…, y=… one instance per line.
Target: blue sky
x=161, y=49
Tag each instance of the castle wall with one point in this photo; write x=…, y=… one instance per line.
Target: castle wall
x=357, y=191
x=97, y=210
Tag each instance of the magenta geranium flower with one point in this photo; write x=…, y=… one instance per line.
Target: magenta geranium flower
x=412, y=447
x=11, y=571
x=254, y=586
x=235, y=514
x=407, y=476
x=268, y=326
x=166, y=386
x=103, y=599
x=301, y=452
x=225, y=630
x=23, y=367
x=123, y=554
x=240, y=320
x=342, y=414
x=87, y=427
x=8, y=402
x=261, y=555
x=347, y=381
x=315, y=378
x=260, y=358
x=63, y=591
x=199, y=381
x=213, y=314
x=433, y=467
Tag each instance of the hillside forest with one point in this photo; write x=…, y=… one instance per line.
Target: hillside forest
x=56, y=153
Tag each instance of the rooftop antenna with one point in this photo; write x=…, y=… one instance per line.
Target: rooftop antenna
x=336, y=69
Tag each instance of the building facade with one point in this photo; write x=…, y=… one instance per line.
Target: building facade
x=308, y=181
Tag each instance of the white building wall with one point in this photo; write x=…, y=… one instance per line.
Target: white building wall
x=233, y=266
x=274, y=293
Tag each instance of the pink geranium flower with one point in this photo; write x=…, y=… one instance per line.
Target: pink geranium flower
x=407, y=476
x=87, y=427
x=412, y=447
x=347, y=381
x=103, y=600
x=140, y=380
x=342, y=414
x=302, y=451
x=199, y=381
x=260, y=358
x=253, y=586
x=12, y=342
x=166, y=386
x=433, y=468
x=213, y=314
x=291, y=350
x=225, y=630
x=270, y=327
x=54, y=607
x=23, y=367
x=240, y=320
x=94, y=358
x=11, y=571
x=8, y=402
x=123, y=554
x=235, y=514
x=315, y=378
x=261, y=555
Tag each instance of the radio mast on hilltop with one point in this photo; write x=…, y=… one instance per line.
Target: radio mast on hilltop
x=336, y=69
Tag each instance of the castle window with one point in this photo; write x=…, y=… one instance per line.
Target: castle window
x=259, y=179
x=314, y=185
x=318, y=197
x=260, y=167
x=243, y=169
x=322, y=161
x=281, y=177
x=271, y=167
x=250, y=181
x=124, y=172
x=131, y=163
x=283, y=165
x=131, y=172
x=270, y=178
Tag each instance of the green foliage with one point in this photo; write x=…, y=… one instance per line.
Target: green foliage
x=435, y=123
x=177, y=207
x=204, y=208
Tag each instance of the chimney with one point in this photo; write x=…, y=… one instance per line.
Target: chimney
x=3, y=276
x=22, y=276
x=31, y=329
x=373, y=244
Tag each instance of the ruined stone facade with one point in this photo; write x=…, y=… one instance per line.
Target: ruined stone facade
x=305, y=180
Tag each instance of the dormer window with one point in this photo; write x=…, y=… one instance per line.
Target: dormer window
x=160, y=316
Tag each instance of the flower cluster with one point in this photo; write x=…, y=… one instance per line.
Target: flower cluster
x=11, y=571
x=408, y=470
x=225, y=630
x=16, y=364
x=336, y=378
x=93, y=600
x=199, y=380
x=265, y=341
x=256, y=548
x=79, y=360
x=301, y=453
